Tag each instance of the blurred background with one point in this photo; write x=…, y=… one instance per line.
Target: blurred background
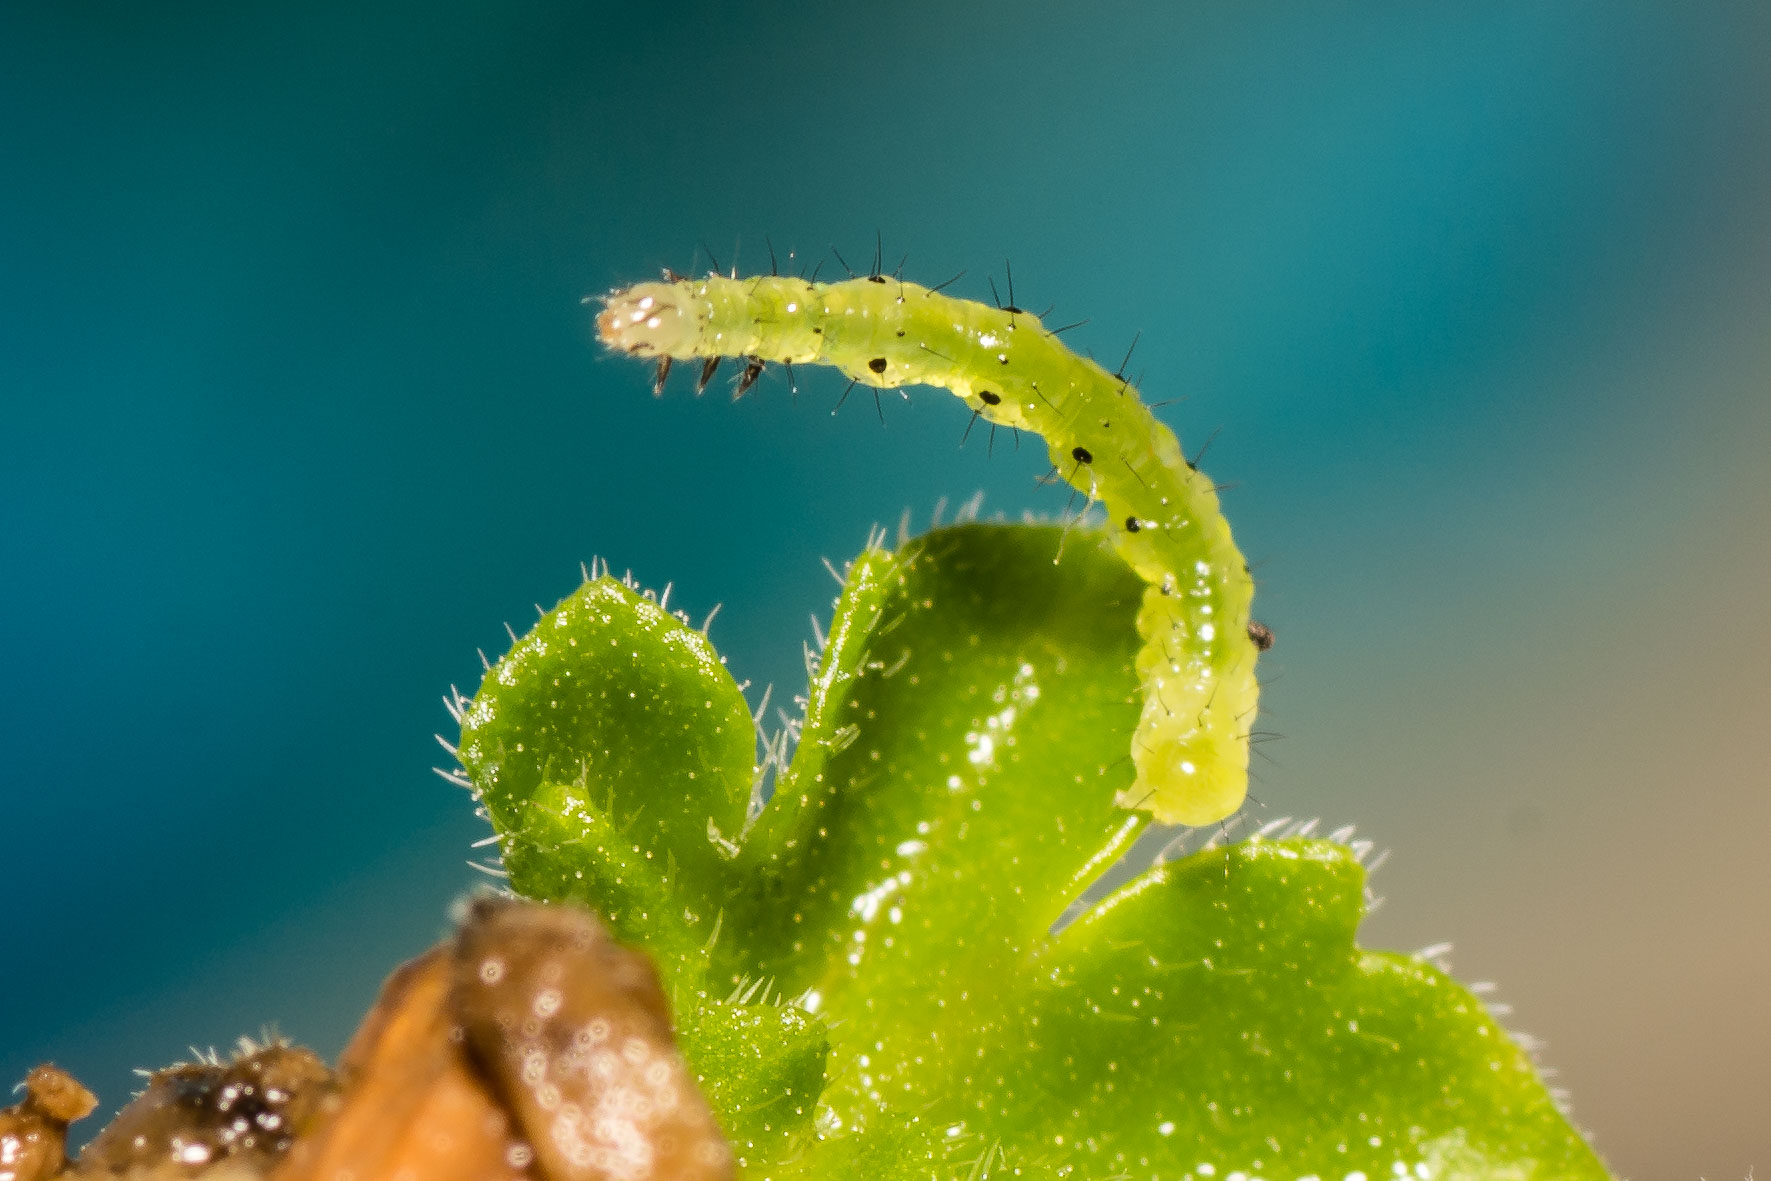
x=298, y=405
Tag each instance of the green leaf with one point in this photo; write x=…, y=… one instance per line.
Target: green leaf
x=613, y=753
x=950, y=797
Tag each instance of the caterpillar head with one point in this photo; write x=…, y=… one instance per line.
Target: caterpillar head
x=650, y=320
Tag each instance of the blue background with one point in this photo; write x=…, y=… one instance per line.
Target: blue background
x=298, y=405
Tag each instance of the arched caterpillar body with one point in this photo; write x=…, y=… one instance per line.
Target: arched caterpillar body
x=1197, y=663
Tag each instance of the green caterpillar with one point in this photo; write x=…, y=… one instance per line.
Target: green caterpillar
x=1197, y=664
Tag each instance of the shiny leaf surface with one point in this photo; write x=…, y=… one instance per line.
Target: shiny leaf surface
x=866, y=975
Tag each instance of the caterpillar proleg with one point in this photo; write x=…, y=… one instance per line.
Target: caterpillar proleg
x=1197, y=663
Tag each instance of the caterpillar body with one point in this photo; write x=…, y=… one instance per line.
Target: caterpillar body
x=1196, y=666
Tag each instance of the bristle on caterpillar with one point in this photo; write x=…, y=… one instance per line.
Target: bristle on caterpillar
x=1197, y=663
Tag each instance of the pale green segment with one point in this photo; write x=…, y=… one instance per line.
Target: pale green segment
x=1197, y=666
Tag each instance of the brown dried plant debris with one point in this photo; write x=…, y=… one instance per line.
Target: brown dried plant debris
x=530, y=1047
x=34, y=1132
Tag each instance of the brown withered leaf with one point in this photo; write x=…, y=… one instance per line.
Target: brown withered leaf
x=531, y=1047
x=574, y=1032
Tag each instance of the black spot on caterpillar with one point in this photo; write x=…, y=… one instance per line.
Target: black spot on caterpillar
x=1197, y=663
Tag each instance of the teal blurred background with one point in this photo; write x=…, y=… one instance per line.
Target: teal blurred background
x=298, y=405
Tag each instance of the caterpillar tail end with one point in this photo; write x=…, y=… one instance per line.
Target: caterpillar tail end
x=1207, y=806
x=649, y=320
x=1195, y=778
